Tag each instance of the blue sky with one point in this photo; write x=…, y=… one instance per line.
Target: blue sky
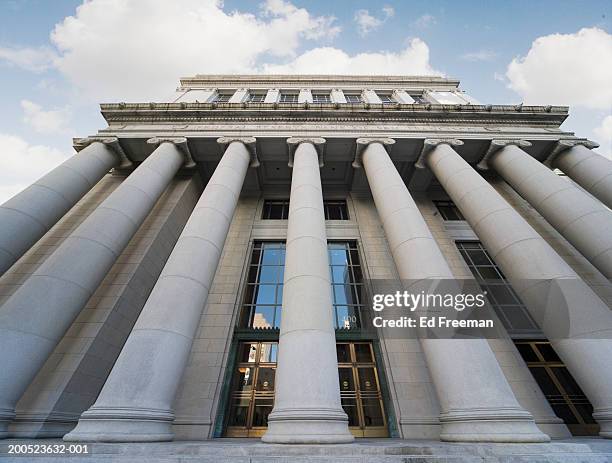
x=57, y=62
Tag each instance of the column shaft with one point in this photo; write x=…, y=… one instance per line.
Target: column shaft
x=27, y=216
x=530, y=264
x=307, y=406
x=34, y=319
x=581, y=219
x=136, y=403
x=476, y=400
x=590, y=170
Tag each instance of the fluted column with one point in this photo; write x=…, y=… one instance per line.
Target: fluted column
x=580, y=328
x=590, y=170
x=36, y=316
x=27, y=216
x=307, y=406
x=136, y=403
x=584, y=221
x=477, y=402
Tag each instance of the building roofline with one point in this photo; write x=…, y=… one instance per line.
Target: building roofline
x=328, y=78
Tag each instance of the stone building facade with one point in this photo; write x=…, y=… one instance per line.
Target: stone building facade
x=144, y=279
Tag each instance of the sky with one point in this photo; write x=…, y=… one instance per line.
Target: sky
x=59, y=59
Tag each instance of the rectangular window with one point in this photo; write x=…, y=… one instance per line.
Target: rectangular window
x=503, y=299
x=275, y=209
x=386, y=98
x=263, y=296
x=321, y=98
x=223, y=97
x=288, y=98
x=418, y=98
x=448, y=210
x=256, y=97
x=278, y=209
x=335, y=210
x=353, y=98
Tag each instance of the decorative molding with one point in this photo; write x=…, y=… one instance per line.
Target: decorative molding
x=112, y=142
x=181, y=144
x=565, y=144
x=249, y=142
x=365, y=141
x=495, y=146
x=429, y=144
x=317, y=142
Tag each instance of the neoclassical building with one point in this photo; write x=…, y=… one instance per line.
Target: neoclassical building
x=201, y=268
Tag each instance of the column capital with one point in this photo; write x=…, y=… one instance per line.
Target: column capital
x=317, y=142
x=181, y=144
x=249, y=142
x=363, y=142
x=564, y=144
x=495, y=146
x=429, y=144
x=80, y=144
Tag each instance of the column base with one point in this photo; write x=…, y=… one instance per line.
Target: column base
x=603, y=416
x=6, y=417
x=299, y=426
x=487, y=425
x=123, y=425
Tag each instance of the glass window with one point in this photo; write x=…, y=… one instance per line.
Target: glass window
x=256, y=97
x=353, y=98
x=275, y=209
x=223, y=97
x=288, y=98
x=347, y=284
x=419, y=98
x=504, y=300
x=321, y=98
x=335, y=210
x=386, y=98
x=263, y=295
x=448, y=210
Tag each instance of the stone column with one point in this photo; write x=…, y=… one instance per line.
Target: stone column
x=34, y=319
x=590, y=170
x=307, y=406
x=477, y=402
x=530, y=263
x=136, y=402
x=27, y=216
x=580, y=218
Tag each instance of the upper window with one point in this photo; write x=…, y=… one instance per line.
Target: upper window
x=386, y=98
x=353, y=98
x=223, y=97
x=448, y=210
x=335, y=210
x=321, y=98
x=256, y=97
x=419, y=98
x=288, y=98
x=278, y=209
x=275, y=209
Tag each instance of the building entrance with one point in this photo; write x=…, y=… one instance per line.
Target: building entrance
x=252, y=390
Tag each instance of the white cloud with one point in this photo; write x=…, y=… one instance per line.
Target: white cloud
x=604, y=136
x=480, y=55
x=21, y=164
x=424, y=21
x=49, y=122
x=366, y=23
x=413, y=60
x=571, y=69
x=32, y=59
x=118, y=49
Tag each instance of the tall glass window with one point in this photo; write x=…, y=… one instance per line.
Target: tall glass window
x=263, y=297
x=505, y=301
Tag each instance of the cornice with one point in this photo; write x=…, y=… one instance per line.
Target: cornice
x=240, y=113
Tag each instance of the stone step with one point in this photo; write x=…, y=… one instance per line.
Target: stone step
x=363, y=451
